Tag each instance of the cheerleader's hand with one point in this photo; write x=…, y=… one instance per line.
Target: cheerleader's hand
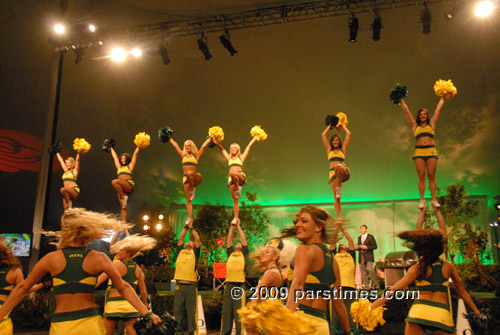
x=155, y=319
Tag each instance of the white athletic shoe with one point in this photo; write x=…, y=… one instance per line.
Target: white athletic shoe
x=235, y=221
x=435, y=203
x=191, y=194
x=421, y=204
x=189, y=222
x=338, y=192
x=237, y=193
x=124, y=202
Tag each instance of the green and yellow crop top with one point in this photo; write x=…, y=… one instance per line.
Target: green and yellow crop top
x=73, y=279
x=322, y=279
x=130, y=276
x=336, y=156
x=436, y=282
x=69, y=176
x=124, y=170
x=235, y=162
x=189, y=161
x=426, y=131
x=5, y=286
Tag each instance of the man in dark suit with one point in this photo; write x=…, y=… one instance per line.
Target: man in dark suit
x=366, y=245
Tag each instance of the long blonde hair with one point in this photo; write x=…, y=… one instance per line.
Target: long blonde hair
x=256, y=256
x=134, y=244
x=81, y=225
x=194, y=149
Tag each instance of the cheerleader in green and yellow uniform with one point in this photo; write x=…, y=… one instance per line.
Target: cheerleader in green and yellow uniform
x=70, y=189
x=124, y=184
x=432, y=311
x=314, y=268
x=339, y=172
x=192, y=178
x=116, y=307
x=10, y=276
x=425, y=155
x=237, y=178
x=74, y=270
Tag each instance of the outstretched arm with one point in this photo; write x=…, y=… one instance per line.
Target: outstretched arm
x=224, y=152
x=230, y=236
x=202, y=149
x=435, y=116
x=115, y=158
x=197, y=242
x=459, y=287
x=61, y=161
x=350, y=241
x=324, y=139
x=241, y=234
x=347, y=138
x=409, y=117
x=181, y=236
x=420, y=219
x=131, y=166
x=176, y=147
x=247, y=150
x=76, y=170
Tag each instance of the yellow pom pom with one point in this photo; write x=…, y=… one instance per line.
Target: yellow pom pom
x=445, y=88
x=258, y=133
x=342, y=121
x=360, y=312
x=142, y=140
x=216, y=133
x=81, y=145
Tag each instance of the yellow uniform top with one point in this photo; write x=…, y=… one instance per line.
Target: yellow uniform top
x=185, y=266
x=124, y=170
x=235, y=162
x=235, y=266
x=336, y=156
x=189, y=161
x=426, y=131
x=69, y=176
x=346, y=267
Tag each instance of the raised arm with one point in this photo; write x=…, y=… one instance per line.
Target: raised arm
x=409, y=117
x=459, y=287
x=347, y=138
x=247, y=150
x=326, y=144
x=181, y=236
x=409, y=278
x=420, y=219
x=76, y=170
x=197, y=241
x=202, y=149
x=435, y=116
x=61, y=161
x=304, y=256
x=350, y=241
x=241, y=234
x=230, y=236
x=176, y=147
x=115, y=158
x=224, y=152
x=131, y=166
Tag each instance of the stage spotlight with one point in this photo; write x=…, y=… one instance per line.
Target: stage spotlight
x=91, y=28
x=497, y=206
x=353, y=28
x=145, y=227
x=59, y=29
x=118, y=54
x=164, y=53
x=457, y=8
x=202, y=44
x=426, y=19
x=159, y=227
x=376, y=27
x=145, y=217
x=224, y=39
x=79, y=54
x=136, y=52
x=160, y=217
x=483, y=8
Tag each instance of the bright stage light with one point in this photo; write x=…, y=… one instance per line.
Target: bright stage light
x=92, y=28
x=136, y=52
x=160, y=217
x=483, y=8
x=59, y=29
x=145, y=227
x=118, y=54
x=159, y=226
x=145, y=218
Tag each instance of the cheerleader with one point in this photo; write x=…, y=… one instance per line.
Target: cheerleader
x=70, y=189
x=124, y=184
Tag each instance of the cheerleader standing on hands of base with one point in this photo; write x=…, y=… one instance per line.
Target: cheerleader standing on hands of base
x=124, y=184
x=70, y=189
x=339, y=172
x=192, y=178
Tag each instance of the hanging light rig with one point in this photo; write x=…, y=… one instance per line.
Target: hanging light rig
x=376, y=26
x=225, y=40
x=202, y=44
x=353, y=28
x=426, y=19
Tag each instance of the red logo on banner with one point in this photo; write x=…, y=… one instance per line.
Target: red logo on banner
x=220, y=241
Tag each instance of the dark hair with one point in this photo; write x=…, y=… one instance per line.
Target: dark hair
x=427, y=243
x=7, y=258
x=128, y=158
x=363, y=225
x=417, y=118
x=340, y=142
x=320, y=217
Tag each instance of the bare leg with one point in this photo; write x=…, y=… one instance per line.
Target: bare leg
x=336, y=203
x=189, y=203
x=109, y=325
x=118, y=188
x=236, y=203
x=129, y=326
x=420, y=166
x=413, y=329
x=431, y=165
